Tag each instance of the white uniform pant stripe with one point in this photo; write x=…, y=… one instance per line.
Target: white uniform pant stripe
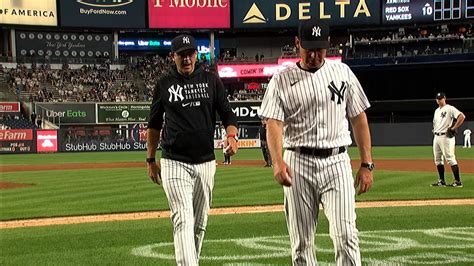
x=188, y=188
x=327, y=181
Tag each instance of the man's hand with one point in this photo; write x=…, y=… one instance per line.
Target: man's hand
x=282, y=174
x=363, y=180
x=154, y=172
x=230, y=146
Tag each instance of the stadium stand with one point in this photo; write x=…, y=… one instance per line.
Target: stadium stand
x=16, y=122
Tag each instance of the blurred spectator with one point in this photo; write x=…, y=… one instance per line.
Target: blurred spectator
x=33, y=117
x=39, y=122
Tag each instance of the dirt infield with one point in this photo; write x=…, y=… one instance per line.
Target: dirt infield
x=216, y=211
x=467, y=166
x=11, y=185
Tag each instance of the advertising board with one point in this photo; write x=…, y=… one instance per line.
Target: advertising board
x=288, y=13
x=103, y=14
x=189, y=14
x=29, y=12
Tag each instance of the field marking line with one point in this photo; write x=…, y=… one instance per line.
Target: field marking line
x=214, y=211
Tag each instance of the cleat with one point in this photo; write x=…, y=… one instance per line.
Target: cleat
x=456, y=184
x=440, y=183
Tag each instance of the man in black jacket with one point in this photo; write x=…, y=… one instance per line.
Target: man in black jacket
x=187, y=99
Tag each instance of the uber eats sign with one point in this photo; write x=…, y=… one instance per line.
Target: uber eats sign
x=66, y=113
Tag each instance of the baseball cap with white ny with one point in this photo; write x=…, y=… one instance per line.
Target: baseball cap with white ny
x=183, y=42
x=313, y=34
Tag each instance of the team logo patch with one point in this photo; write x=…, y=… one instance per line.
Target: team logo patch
x=337, y=92
x=176, y=93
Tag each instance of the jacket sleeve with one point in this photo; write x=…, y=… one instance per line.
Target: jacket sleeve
x=222, y=104
x=156, y=110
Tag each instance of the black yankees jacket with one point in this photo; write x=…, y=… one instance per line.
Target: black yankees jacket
x=188, y=106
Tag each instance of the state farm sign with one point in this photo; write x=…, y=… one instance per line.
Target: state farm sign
x=16, y=134
x=47, y=141
x=189, y=14
x=9, y=107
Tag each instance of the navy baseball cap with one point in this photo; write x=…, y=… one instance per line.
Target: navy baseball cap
x=313, y=34
x=440, y=95
x=183, y=42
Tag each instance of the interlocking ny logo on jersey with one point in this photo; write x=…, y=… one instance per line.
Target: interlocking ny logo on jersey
x=337, y=92
x=443, y=114
x=105, y=3
x=254, y=15
x=177, y=92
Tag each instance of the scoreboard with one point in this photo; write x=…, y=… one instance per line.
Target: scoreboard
x=426, y=11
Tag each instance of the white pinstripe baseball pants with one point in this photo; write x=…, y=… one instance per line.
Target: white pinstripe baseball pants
x=327, y=181
x=188, y=188
x=443, y=149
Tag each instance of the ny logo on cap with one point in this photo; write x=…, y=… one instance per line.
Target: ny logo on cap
x=316, y=31
x=185, y=40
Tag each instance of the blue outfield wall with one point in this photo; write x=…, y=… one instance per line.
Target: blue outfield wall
x=409, y=134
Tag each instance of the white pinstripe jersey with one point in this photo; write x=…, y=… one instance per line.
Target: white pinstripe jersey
x=443, y=118
x=314, y=106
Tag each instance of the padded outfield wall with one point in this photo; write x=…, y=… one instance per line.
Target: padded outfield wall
x=122, y=127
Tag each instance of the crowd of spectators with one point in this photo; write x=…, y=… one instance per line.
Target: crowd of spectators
x=150, y=69
x=410, y=42
x=90, y=83
x=247, y=95
x=16, y=121
x=99, y=83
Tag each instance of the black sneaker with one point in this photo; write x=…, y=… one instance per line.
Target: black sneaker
x=440, y=183
x=456, y=184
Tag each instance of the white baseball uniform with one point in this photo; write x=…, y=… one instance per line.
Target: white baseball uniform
x=188, y=188
x=443, y=147
x=314, y=108
x=467, y=138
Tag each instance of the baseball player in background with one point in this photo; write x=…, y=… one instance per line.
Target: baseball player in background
x=310, y=104
x=467, y=138
x=189, y=97
x=446, y=120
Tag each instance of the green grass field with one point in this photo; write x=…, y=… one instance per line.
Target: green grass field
x=435, y=235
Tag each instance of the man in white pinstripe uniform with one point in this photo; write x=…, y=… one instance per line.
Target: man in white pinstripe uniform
x=189, y=97
x=309, y=104
x=446, y=120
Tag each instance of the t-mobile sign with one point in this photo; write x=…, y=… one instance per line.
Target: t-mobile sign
x=189, y=14
x=47, y=141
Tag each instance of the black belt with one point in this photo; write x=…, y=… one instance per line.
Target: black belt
x=318, y=152
x=440, y=134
